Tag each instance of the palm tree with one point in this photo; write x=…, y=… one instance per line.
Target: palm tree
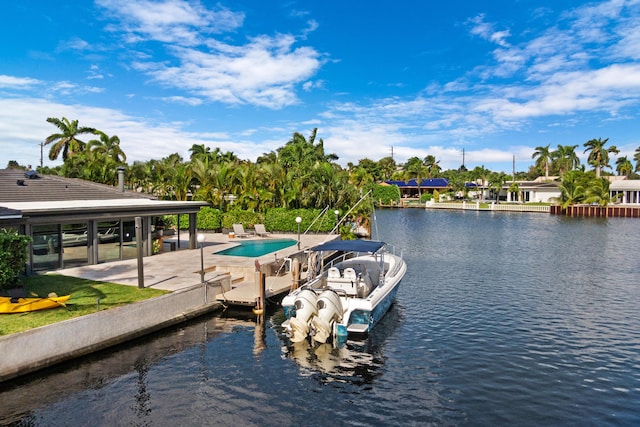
x=199, y=151
x=107, y=147
x=565, y=158
x=598, y=154
x=480, y=173
x=496, y=182
x=543, y=158
x=598, y=192
x=66, y=141
x=432, y=165
x=624, y=166
x=415, y=168
x=387, y=167
x=515, y=188
x=636, y=158
x=360, y=176
x=571, y=188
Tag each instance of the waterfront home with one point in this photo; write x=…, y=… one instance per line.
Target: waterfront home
x=73, y=222
x=624, y=191
x=410, y=189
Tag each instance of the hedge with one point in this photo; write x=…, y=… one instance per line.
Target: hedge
x=284, y=220
x=13, y=257
x=276, y=219
x=385, y=194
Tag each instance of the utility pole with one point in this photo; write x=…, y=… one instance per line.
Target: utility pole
x=41, y=148
x=392, y=151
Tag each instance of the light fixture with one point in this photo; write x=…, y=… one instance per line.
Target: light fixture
x=298, y=220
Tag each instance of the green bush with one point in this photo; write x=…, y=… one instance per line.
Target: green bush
x=276, y=219
x=385, y=194
x=425, y=197
x=208, y=219
x=13, y=257
x=236, y=216
x=284, y=220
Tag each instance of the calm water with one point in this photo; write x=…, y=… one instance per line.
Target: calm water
x=502, y=319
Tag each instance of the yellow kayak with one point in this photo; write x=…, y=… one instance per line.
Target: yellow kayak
x=23, y=305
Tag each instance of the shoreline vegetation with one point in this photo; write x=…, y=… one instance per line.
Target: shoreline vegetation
x=302, y=175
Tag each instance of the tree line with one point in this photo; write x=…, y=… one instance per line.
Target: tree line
x=300, y=174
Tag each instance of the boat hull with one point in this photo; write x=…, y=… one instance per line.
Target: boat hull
x=25, y=305
x=367, y=286
x=362, y=321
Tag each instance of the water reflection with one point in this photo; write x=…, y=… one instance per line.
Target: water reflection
x=26, y=395
x=358, y=361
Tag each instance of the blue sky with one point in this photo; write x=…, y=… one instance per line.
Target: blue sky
x=495, y=78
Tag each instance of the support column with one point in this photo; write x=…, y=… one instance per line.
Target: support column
x=148, y=241
x=193, y=220
x=92, y=242
x=28, y=231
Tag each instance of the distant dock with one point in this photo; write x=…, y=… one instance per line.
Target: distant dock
x=490, y=206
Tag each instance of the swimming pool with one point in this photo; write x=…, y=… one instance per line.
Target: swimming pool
x=256, y=248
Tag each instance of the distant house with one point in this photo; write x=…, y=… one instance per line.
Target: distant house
x=625, y=191
x=410, y=189
x=540, y=190
x=73, y=222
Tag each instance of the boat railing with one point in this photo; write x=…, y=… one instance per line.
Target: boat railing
x=393, y=250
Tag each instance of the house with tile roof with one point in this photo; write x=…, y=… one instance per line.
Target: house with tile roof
x=73, y=222
x=411, y=189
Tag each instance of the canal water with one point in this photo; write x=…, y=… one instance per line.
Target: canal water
x=502, y=319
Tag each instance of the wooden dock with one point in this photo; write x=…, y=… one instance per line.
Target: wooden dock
x=246, y=292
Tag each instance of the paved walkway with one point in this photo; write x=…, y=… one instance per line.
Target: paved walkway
x=181, y=268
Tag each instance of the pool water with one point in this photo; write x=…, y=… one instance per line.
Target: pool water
x=256, y=248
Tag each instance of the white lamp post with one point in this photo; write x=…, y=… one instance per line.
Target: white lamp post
x=200, y=240
x=337, y=212
x=298, y=220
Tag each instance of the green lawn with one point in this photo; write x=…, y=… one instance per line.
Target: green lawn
x=87, y=297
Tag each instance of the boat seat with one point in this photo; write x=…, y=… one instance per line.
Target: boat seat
x=350, y=274
x=333, y=273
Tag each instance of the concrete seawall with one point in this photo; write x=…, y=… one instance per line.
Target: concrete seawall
x=38, y=348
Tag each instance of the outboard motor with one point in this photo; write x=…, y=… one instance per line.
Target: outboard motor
x=306, y=307
x=329, y=311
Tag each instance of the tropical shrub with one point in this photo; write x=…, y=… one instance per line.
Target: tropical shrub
x=237, y=216
x=208, y=219
x=385, y=194
x=284, y=220
x=13, y=257
x=425, y=197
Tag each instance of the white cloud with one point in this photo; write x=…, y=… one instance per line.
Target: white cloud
x=262, y=73
x=170, y=21
x=487, y=31
x=265, y=71
x=183, y=100
x=13, y=82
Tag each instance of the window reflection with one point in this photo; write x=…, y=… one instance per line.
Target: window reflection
x=109, y=241
x=46, y=247
x=74, y=244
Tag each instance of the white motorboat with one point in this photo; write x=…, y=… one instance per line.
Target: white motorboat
x=347, y=295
